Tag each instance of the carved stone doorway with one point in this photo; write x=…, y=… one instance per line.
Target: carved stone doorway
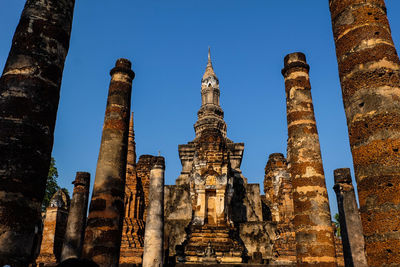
x=211, y=212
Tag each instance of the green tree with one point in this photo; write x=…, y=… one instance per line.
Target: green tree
x=51, y=184
x=337, y=224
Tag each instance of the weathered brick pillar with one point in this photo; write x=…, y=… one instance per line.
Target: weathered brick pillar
x=73, y=240
x=143, y=168
x=154, y=233
x=29, y=94
x=350, y=222
x=278, y=190
x=275, y=180
x=106, y=212
x=312, y=219
x=369, y=74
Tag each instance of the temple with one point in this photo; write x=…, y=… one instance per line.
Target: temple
x=211, y=216
x=212, y=199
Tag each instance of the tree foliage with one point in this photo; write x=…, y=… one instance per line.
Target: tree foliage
x=337, y=224
x=51, y=184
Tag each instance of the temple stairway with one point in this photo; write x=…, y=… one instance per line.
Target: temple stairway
x=213, y=244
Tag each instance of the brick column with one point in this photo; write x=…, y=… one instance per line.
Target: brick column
x=312, y=219
x=106, y=212
x=154, y=233
x=369, y=75
x=279, y=190
x=350, y=222
x=73, y=240
x=29, y=94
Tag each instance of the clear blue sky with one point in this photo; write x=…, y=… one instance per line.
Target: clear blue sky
x=167, y=42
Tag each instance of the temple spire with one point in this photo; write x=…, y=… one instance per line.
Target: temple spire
x=209, y=69
x=131, y=158
x=210, y=114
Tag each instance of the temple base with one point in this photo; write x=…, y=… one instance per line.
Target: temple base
x=212, y=244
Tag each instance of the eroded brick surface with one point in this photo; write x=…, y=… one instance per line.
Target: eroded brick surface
x=278, y=191
x=369, y=70
x=312, y=220
x=339, y=251
x=29, y=94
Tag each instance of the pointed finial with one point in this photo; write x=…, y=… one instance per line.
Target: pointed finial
x=159, y=153
x=209, y=69
x=131, y=122
x=131, y=157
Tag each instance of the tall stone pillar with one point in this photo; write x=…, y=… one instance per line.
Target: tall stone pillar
x=73, y=240
x=154, y=233
x=29, y=94
x=106, y=212
x=350, y=222
x=369, y=74
x=312, y=219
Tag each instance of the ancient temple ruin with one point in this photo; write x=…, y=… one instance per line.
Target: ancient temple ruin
x=211, y=215
x=212, y=206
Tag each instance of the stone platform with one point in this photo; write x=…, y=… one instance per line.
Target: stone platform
x=216, y=241
x=229, y=265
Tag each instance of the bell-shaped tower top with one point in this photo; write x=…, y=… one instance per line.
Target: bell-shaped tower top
x=210, y=114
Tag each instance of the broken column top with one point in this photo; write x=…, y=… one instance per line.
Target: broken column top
x=276, y=157
x=123, y=65
x=146, y=158
x=275, y=160
x=342, y=175
x=60, y=200
x=159, y=163
x=295, y=60
x=82, y=178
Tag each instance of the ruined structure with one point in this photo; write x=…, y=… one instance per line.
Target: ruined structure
x=29, y=94
x=55, y=224
x=106, y=213
x=338, y=248
x=73, y=239
x=132, y=240
x=278, y=200
x=212, y=215
x=136, y=201
x=369, y=74
x=154, y=236
x=350, y=222
x=312, y=218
